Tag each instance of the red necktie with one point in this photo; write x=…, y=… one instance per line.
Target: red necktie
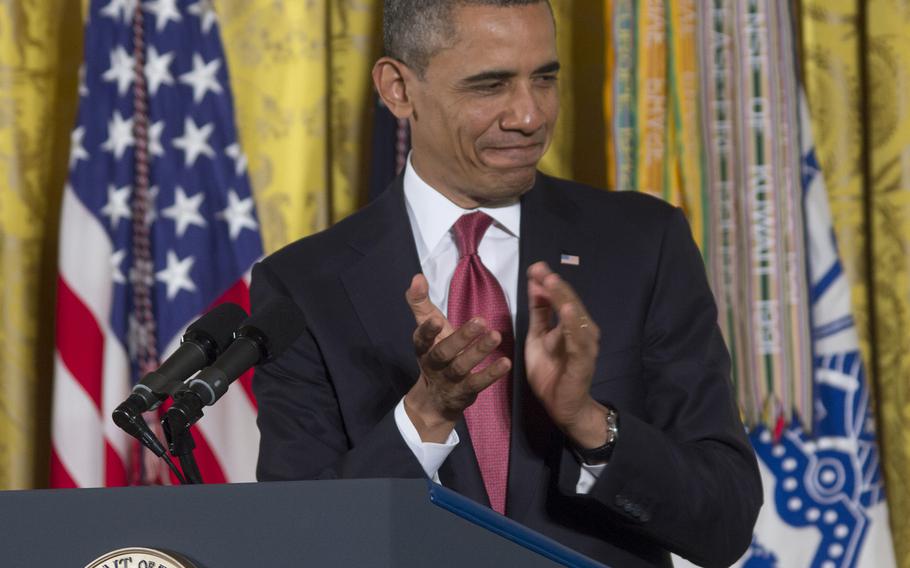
x=476, y=292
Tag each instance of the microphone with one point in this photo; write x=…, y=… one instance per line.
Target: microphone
x=203, y=341
x=264, y=335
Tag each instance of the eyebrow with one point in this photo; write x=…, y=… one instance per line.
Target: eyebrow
x=499, y=75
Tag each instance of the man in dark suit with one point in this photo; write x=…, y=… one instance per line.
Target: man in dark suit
x=588, y=399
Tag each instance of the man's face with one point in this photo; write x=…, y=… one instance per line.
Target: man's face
x=483, y=114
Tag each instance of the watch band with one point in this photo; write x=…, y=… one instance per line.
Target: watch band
x=602, y=453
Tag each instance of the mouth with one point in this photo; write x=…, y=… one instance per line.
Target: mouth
x=514, y=156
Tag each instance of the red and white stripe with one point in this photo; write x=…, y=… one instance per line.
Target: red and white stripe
x=227, y=438
x=229, y=427
x=92, y=372
x=92, y=375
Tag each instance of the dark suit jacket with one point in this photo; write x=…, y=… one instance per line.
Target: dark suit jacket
x=683, y=476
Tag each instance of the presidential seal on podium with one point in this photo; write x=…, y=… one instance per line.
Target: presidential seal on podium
x=136, y=557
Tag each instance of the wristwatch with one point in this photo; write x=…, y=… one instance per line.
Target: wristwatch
x=602, y=453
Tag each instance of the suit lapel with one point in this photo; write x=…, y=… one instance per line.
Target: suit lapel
x=377, y=282
x=376, y=285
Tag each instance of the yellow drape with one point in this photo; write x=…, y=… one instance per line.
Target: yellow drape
x=277, y=60
x=558, y=158
x=857, y=84
x=40, y=52
x=578, y=145
x=887, y=120
x=300, y=78
x=830, y=60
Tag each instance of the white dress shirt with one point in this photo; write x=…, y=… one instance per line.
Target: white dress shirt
x=432, y=216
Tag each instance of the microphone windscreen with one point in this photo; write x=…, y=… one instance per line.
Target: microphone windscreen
x=218, y=324
x=280, y=321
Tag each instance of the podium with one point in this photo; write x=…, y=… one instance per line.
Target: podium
x=358, y=523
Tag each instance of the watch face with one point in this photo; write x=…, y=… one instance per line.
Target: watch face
x=602, y=454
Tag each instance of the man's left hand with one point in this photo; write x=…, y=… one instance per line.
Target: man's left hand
x=560, y=358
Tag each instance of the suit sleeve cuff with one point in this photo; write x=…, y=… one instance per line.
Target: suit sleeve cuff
x=429, y=454
x=587, y=477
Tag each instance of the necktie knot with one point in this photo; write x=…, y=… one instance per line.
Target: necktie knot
x=469, y=230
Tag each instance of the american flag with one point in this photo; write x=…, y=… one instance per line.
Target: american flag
x=157, y=225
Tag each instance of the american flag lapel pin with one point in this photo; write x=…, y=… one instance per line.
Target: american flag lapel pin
x=569, y=259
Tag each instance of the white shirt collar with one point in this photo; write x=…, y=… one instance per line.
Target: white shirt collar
x=432, y=214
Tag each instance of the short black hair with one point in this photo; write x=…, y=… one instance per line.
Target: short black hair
x=413, y=31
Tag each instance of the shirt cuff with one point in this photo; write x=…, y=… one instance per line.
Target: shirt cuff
x=587, y=477
x=429, y=454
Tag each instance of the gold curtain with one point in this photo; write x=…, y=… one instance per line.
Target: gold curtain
x=856, y=58
x=295, y=104
x=40, y=53
x=579, y=145
x=887, y=186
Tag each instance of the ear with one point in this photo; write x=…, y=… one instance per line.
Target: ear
x=391, y=79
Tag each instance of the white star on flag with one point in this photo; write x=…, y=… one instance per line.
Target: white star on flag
x=202, y=77
x=177, y=275
x=77, y=150
x=157, y=70
x=238, y=214
x=120, y=9
x=155, y=130
x=194, y=141
x=119, y=135
x=205, y=11
x=118, y=204
x=185, y=211
x=116, y=260
x=233, y=151
x=121, y=70
x=164, y=10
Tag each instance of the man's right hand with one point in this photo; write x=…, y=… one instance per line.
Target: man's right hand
x=447, y=384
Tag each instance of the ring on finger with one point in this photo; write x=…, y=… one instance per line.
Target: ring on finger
x=584, y=322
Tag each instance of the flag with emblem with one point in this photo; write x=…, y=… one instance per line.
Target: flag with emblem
x=157, y=226
x=824, y=494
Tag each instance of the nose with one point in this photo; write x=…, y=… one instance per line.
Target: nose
x=524, y=112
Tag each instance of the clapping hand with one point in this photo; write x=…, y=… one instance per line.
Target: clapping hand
x=447, y=357
x=560, y=357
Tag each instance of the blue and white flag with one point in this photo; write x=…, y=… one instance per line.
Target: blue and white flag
x=824, y=498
